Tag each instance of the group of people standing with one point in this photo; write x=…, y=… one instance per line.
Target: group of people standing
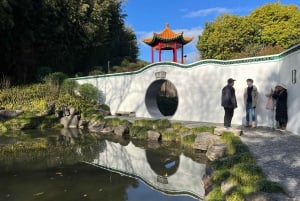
x=277, y=100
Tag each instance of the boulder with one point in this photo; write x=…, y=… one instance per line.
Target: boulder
x=7, y=114
x=95, y=126
x=72, y=111
x=50, y=108
x=227, y=186
x=216, y=150
x=220, y=130
x=204, y=140
x=59, y=113
x=153, y=144
x=153, y=135
x=207, y=180
x=83, y=123
x=107, y=130
x=121, y=130
x=66, y=111
x=70, y=121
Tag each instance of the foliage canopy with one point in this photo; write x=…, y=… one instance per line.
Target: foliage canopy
x=267, y=30
x=69, y=36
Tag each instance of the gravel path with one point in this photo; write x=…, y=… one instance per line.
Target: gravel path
x=279, y=155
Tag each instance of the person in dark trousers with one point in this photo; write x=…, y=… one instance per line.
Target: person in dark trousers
x=281, y=112
x=250, y=100
x=228, y=102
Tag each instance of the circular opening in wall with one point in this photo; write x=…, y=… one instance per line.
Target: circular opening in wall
x=161, y=98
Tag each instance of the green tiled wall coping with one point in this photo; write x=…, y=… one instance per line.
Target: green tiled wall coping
x=198, y=63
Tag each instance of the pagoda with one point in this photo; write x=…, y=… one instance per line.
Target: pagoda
x=167, y=40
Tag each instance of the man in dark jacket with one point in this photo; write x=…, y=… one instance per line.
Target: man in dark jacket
x=228, y=102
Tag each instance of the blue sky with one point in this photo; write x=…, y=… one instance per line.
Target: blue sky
x=189, y=16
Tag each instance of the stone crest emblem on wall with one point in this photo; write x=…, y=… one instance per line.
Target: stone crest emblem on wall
x=160, y=75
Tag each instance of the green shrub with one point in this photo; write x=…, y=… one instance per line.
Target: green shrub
x=70, y=101
x=42, y=72
x=89, y=92
x=176, y=125
x=220, y=175
x=215, y=195
x=234, y=144
x=235, y=195
x=113, y=122
x=69, y=86
x=161, y=123
x=55, y=79
x=247, y=174
x=96, y=72
x=143, y=123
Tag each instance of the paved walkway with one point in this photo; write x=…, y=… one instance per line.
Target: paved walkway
x=279, y=156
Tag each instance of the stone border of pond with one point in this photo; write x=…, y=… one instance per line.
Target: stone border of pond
x=232, y=173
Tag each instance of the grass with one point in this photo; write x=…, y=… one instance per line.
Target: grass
x=39, y=153
x=188, y=140
x=139, y=132
x=239, y=168
x=30, y=120
x=200, y=129
x=170, y=135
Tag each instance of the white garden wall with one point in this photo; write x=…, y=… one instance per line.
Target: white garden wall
x=199, y=87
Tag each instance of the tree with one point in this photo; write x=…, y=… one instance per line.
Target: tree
x=225, y=37
x=268, y=29
x=67, y=35
x=279, y=24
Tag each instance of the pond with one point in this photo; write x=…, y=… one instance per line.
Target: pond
x=106, y=169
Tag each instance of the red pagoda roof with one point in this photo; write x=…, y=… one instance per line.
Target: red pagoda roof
x=167, y=35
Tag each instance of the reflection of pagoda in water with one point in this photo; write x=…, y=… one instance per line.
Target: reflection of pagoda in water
x=169, y=174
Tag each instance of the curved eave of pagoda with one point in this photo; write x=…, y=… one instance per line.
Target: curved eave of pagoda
x=156, y=39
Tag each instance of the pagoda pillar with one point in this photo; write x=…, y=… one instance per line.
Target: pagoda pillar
x=175, y=52
x=182, y=61
x=152, y=54
x=159, y=51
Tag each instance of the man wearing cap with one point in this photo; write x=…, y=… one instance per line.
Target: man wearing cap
x=228, y=102
x=250, y=100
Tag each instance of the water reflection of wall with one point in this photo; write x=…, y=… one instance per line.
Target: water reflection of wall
x=132, y=161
